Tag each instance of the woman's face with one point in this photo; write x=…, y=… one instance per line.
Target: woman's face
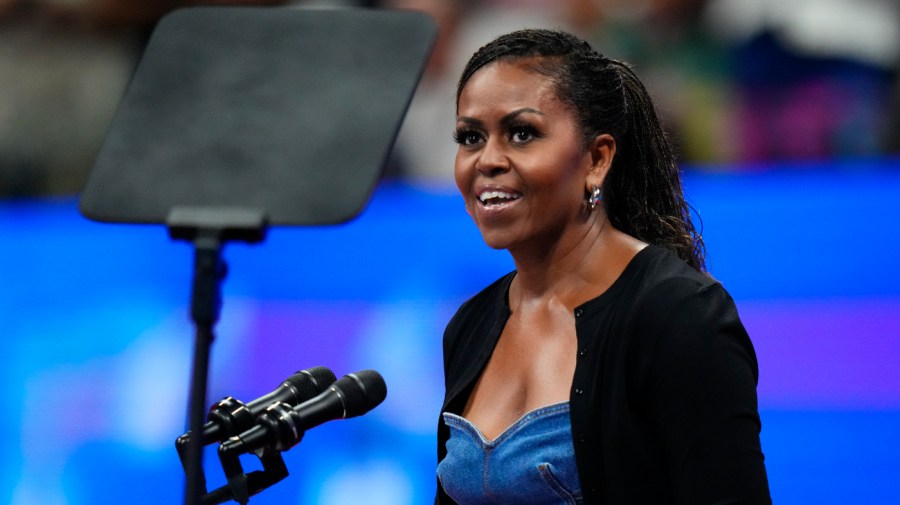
x=522, y=164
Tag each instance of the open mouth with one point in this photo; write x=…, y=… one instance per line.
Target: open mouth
x=494, y=198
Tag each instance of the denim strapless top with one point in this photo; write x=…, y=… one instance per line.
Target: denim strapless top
x=531, y=463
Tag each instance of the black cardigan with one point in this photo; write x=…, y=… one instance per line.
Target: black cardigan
x=663, y=400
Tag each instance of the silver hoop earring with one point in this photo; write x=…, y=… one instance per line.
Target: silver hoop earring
x=595, y=198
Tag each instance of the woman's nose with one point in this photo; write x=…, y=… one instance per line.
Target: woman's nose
x=493, y=158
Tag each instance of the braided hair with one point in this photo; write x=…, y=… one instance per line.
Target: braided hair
x=642, y=192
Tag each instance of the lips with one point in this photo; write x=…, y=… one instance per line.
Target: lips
x=497, y=197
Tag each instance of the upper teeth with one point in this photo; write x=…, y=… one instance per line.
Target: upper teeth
x=487, y=195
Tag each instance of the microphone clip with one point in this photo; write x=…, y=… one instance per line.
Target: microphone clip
x=241, y=486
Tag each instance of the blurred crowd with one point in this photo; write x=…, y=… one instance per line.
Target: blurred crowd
x=739, y=83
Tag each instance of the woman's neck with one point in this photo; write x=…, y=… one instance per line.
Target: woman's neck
x=572, y=269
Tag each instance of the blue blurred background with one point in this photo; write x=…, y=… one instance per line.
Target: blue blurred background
x=785, y=113
x=98, y=342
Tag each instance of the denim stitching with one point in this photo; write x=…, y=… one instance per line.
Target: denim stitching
x=464, y=424
x=573, y=498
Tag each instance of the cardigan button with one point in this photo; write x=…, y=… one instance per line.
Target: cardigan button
x=583, y=352
x=579, y=391
x=578, y=312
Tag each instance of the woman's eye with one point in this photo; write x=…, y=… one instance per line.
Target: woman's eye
x=522, y=134
x=466, y=137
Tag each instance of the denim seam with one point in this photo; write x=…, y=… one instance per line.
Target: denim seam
x=547, y=475
x=541, y=412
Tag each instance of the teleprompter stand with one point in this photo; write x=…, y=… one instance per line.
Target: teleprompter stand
x=240, y=118
x=208, y=229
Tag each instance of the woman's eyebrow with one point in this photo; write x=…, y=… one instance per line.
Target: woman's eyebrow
x=511, y=117
x=505, y=120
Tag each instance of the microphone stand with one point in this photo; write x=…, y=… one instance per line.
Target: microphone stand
x=208, y=229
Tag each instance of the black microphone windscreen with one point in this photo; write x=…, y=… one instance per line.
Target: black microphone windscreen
x=363, y=392
x=311, y=382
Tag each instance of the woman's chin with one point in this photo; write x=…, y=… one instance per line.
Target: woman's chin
x=495, y=240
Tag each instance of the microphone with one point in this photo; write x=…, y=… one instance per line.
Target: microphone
x=230, y=416
x=282, y=426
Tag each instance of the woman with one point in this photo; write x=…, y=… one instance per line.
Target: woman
x=608, y=367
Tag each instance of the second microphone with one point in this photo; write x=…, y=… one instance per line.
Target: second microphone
x=282, y=426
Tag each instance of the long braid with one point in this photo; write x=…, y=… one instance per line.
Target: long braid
x=644, y=196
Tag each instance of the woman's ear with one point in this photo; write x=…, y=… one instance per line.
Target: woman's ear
x=602, y=150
